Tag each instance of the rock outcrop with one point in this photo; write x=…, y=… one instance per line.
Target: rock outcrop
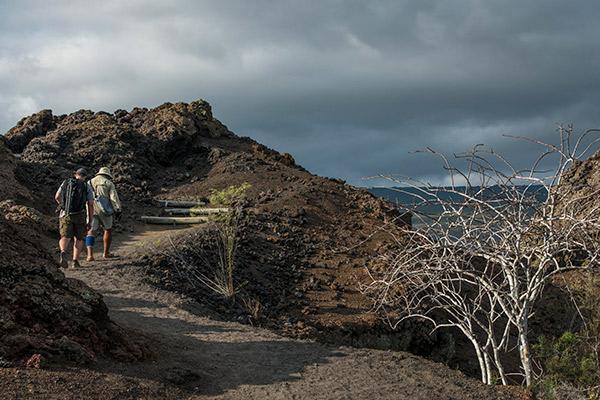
x=10, y=188
x=582, y=182
x=138, y=145
x=29, y=128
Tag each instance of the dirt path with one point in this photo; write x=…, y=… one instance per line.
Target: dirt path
x=198, y=357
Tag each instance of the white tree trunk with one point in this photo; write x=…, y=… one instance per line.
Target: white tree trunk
x=499, y=365
x=488, y=368
x=480, y=357
x=525, y=353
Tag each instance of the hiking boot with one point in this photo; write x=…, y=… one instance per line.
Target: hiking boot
x=63, y=260
x=75, y=264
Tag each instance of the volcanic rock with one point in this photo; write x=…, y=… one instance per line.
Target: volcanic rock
x=28, y=128
x=582, y=182
x=43, y=315
x=10, y=187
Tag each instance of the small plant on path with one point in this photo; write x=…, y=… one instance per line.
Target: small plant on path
x=208, y=257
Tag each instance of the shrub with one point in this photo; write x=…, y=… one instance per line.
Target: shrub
x=253, y=307
x=212, y=264
x=573, y=359
x=229, y=196
x=568, y=359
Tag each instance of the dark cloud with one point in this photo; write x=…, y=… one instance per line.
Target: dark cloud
x=348, y=87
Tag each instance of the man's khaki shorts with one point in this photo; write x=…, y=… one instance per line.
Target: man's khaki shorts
x=73, y=225
x=102, y=220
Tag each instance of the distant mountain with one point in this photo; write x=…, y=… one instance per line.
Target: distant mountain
x=423, y=201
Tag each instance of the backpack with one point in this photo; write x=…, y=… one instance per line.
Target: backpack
x=73, y=196
x=104, y=204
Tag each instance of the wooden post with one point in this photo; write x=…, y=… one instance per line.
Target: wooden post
x=195, y=211
x=181, y=203
x=174, y=220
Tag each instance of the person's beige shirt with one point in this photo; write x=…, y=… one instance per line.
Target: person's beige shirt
x=105, y=187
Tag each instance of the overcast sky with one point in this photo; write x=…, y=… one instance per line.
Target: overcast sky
x=349, y=88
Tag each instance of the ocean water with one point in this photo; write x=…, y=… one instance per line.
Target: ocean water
x=422, y=201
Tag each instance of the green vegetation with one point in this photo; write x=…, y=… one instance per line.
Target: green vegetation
x=253, y=307
x=568, y=359
x=571, y=362
x=227, y=229
x=229, y=196
x=228, y=239
x=208, y=257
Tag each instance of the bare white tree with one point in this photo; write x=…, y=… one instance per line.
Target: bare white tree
x=481, y=250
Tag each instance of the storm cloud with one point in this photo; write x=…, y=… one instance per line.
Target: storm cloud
x=349, y=88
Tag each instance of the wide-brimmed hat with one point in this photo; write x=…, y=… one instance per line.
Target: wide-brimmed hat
x=105, y=171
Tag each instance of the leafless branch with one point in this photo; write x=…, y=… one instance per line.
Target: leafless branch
x=480, y=263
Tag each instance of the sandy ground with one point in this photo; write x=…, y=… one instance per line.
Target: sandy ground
x=200, y=358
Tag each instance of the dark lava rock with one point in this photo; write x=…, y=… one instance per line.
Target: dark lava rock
x=41, y=312
x=29, y=128
x=581, y=183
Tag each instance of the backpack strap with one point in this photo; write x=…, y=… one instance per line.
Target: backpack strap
x=63, y=197
x=93, y=189
x=68, y=194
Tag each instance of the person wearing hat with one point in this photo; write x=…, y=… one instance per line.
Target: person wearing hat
x=72, y=196
x=107, y=207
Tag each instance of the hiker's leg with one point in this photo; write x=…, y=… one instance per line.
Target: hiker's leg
x=107, y=241
x=63, y=244
x=90, y=239
x=66, y=233
x=77, y=247
x=79, y=232
x=107, y=223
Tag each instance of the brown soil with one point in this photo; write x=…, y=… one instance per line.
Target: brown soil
x=197, y=357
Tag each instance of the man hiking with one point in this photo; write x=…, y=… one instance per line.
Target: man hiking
x=107, y=207
x=72, y=196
